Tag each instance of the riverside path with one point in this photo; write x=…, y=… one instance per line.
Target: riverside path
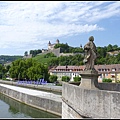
x=38, y=93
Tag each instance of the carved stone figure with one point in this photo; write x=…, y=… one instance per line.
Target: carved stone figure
x=90, y=54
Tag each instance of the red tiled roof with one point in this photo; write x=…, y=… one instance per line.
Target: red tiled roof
x=97, y=67
x=70, y=67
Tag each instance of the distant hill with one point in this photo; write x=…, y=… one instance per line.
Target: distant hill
x=7, y=58
x=63, y=54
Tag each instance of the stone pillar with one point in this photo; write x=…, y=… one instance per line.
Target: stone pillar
x=89, y=79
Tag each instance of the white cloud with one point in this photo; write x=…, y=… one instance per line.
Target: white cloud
x=27, y=23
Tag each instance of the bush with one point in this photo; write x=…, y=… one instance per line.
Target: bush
x=53, y=78
x=65, y=78
x=106, y=80
x=118, y=81
x=48, y=55
x=77, y=79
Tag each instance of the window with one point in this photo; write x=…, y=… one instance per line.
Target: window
x=113, y=69
x=99, y=69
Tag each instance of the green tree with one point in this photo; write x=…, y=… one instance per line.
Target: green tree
x=53, y=78
x=109, y=48
x=28, y=69
x=65, y=78
x=3, y=71
x=35, y=52
x=8, y=67
x=77, y=79
x=64, y=47
x=115, y=47
x=48, y=55
x=106, y=80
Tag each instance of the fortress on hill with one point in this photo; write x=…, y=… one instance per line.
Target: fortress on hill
x=58, y=52
x=51, y=46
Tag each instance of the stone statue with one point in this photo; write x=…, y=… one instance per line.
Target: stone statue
x=90, y=54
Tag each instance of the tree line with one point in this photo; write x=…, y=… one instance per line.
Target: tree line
x=103, y=56
x=33, y=70
x=28, y=69
x=76, y=60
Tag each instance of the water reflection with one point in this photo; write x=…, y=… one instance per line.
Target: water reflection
x=14, y=109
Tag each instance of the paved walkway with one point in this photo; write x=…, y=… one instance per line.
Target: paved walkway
x=38, y=93
x=48, y=86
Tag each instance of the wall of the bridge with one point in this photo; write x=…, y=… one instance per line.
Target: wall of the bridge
x=87, y=103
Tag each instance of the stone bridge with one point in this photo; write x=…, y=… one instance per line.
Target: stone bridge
x=80, y=102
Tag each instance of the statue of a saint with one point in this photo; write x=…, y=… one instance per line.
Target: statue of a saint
x=90, y=54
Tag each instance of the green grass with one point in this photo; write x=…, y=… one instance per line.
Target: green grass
x=41, y=59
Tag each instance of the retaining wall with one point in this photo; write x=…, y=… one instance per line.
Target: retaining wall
x=33, y=86
x=45, y=104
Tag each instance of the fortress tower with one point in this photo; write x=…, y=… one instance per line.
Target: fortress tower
x=51, y=46
x=57, y=41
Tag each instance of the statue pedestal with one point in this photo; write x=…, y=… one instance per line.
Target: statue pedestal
x=89, y=79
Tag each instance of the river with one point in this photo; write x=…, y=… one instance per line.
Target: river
x=10, y=108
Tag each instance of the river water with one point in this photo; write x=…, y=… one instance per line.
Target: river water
x=10, y=108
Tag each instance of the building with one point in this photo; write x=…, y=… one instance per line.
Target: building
x=114, y=53
x=51, y=46
x=106, y=71
x=28, y=56
x=70, y=71
x=109, y=71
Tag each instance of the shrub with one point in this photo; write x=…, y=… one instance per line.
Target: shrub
x=53, y=78
x=106, y=80
x=65, y=78
x=77, y=79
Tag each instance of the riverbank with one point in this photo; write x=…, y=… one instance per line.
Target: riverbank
x=47, y=87
x=46, y=101
x=12, y=109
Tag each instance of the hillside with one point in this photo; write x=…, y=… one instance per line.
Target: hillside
x=42, y=59
x=105, y=56
x=7, y=58
x=70, y=55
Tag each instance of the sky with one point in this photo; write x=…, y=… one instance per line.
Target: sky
x=30, y=25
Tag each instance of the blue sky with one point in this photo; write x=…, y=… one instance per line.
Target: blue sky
x=30, y=25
